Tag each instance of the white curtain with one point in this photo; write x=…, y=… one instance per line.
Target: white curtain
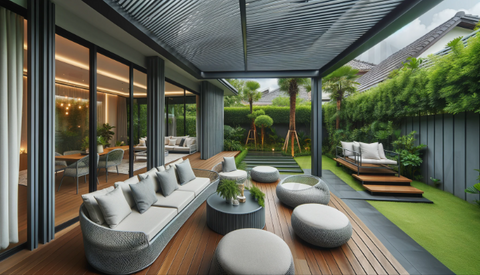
x=11, y=99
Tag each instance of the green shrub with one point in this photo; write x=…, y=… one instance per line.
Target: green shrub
x=238, y=115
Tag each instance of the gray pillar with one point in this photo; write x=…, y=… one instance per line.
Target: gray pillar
x=41, y=121
x=155, y=111
x=211, y=120
x=316, y=127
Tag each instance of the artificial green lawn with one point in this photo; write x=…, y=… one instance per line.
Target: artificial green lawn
x=449, y=228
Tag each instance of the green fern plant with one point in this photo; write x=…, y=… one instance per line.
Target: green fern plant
x=475, y=189
x=257, y=194
x=435, y=181
x=228, y=189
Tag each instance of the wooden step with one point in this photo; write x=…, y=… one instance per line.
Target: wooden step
x=375, y=168
x=393, y=189
x=388, y=179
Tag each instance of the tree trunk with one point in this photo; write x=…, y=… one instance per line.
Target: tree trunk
x=254, y=128
x=293, y=102
x=338, y=113
x=292, y=134
x=262, y=135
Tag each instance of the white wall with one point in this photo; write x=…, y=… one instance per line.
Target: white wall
x=442, y=43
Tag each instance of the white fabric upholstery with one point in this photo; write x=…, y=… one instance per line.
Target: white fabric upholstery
x=381, y=151
x=376, y=161
x=197, y=185
x=295, y=186
x=150, y=222
x=178, y=199
x=321, y=216
x=349, y=148
x=178, y=139
x=369, y=150
x=169, y=147
x=172, y=142
x=91, y=204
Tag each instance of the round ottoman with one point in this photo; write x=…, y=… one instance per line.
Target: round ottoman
x=301, y=189
x=265, y=174
x=239, y=176
x=321, y=225
x=252, y=251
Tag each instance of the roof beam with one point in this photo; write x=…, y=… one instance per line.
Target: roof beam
x=260, y=74
x=243, y=19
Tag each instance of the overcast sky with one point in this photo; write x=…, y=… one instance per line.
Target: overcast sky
x=420, y=26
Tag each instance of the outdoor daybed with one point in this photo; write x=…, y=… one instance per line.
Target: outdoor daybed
x=367, y=155
x=175, y=144
x=137, y=241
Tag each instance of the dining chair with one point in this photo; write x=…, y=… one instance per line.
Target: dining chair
x=110, y=159
x=77, y=169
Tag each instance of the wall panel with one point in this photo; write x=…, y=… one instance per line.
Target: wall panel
x=211, y=114
x=438, y=149
x=459, y=154
x=430, y=149
x=473, y=152
x=423, y=139
x=448, y=159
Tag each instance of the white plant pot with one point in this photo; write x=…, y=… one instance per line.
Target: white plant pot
x=99, y=149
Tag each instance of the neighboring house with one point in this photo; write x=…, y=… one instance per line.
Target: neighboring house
x=460, y=25
x=363, y=67
x=268, y=96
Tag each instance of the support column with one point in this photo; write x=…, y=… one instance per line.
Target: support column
x=156, y=112
x=316, y=126
x=92, y=125
x=211, y=120
x=41, y=121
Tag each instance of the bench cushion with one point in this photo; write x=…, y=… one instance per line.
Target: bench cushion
x=197, y=185
x=150, y=222
x=377, y=161
x=178, y=199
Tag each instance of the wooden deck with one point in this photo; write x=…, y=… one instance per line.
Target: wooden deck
x=375, y=169
x=192, y=248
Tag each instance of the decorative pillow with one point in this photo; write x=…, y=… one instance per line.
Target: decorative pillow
x=167, y=139
x=153, y=174
x=356, y=147
x=144, y=194
x=161, y=168
x=349, y=148
x=142, y=142
x=185, y=172
x=114, y=207
x=127, y=192
x=369, y=150
x=381, y=151
x=229, y=164
x=174, y=164
x=190, y=141
x=94, y=211
x=182, y=142
x=167, y=181
x=180, y=139
x=172, y=142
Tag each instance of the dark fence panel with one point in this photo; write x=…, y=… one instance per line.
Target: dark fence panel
x=453, y=149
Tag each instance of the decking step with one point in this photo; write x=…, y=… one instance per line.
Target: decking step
x=269, y=159
x=274, y=165
x=272, y=161
x=387, y=179
x=367, y=168
x=393, y=189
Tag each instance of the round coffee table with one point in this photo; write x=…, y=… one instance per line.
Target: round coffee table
x=223, y=217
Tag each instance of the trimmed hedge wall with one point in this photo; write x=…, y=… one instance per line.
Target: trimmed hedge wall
x=235, y=116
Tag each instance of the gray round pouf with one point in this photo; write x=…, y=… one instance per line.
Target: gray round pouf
x=239, y=176
x=301, y=189
x=321, y=225
x=252, y=251
x=265, y=174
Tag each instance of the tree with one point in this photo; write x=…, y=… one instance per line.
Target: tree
x=283, y=101
x=291, y=86
x=250, y=93
x=339, y=84
x=263, y=121
x=234, y=100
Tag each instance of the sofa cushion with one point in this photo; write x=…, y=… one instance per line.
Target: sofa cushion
x=144, y=194
x=369, y=150
x=381, y=151
x=356, y=147
x=169, y=147
x=184, y=172
x=167, y=182
x=179, y=139
x=127, y=191
x=114, y=207
x=182, y=142
x=178, y=199
x=94, y=211
x=190, y=141
x=377, y=161
x=229, y=164
x=173, y=164
x=348, y=146
x=172, y=142
x=150, y=222
x=181, y=149
x=152, y=173
x=197, y=185
x=161, y=168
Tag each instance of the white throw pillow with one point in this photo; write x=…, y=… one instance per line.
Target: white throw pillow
x=167, y=139
x=356, y=147
x=179, y=139
x=172, y=142
x=381, y=151
x=161, y=168
x=142, y=142
x=91, y=204
x=114, y=207
x=349, y=148
x=369, y=150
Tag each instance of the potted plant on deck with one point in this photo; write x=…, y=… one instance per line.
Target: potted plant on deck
x=228, y=189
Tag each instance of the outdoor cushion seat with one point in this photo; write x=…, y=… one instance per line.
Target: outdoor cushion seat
x=149, y=222
x=178, y=199
x=196, y=185
x=169, y=147
x=252, y=251
x=266, y=174
x=238, y=175
x=300, y=189
x=376, y=161
x=321, y=225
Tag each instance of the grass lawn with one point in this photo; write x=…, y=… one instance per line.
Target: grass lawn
x=449, y=228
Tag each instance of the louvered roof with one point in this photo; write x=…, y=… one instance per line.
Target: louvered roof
x=303, y=36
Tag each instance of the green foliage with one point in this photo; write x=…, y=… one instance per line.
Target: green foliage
x=238, y=115
x=256, y=114
x=86, y=143
x=71, y=125
x=232, y=138
x=240, y=157
x=228, y=189
x=234, y=100
x=191, y=126
x=231, y=145
x=409, y=154
x=475, y=189
x=341, y=82
x=249, y=92
x=274, y=138
x=263, y=121
x=412, y=64
x=435, y=181
x=283, y=101
x=105, y=131
x=257, y=194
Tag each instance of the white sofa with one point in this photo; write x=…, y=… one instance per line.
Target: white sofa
x=190, y=145
x=138, y=240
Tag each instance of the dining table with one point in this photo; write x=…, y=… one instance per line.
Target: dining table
x=75, y=157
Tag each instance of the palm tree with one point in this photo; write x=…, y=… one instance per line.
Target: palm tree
x=250, y=93
x=291, y=86
x=339, y=84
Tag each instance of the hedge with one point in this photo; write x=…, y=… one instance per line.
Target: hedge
x=235, y=116
x=191, y=126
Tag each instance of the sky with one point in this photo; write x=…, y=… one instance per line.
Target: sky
x=406, y=35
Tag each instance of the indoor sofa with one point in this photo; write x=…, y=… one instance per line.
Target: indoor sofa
x=138, y=239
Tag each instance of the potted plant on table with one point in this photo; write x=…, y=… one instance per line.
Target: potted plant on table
x=258, y=195
x=228, y=189
x=100, y=143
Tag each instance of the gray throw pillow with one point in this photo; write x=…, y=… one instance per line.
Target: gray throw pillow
x=144, y=194
x=167, y=181
x=114, y=207
x=184, y=172
x=94, y=211
x=229, y=164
